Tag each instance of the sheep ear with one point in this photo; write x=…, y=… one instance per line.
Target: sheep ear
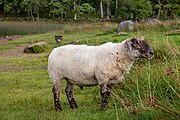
x=134, y=41
x=128, y=44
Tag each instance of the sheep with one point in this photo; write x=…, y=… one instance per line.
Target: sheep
x=103, y=65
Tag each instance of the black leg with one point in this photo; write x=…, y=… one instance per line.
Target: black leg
x=56, y=92
x=105, y=91
x=70, y=95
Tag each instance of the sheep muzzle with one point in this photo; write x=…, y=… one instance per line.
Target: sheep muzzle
x=139, y=44
x=145, y=49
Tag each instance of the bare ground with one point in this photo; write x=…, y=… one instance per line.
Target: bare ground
x=17, y=52
x=5, y=39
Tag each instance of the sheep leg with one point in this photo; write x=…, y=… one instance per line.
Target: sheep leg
x=56, y=92
x=70, y=95
x=105, y=91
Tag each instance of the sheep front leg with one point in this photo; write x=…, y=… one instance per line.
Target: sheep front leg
x=56, y=92
x=105, y=91
x=70, y=95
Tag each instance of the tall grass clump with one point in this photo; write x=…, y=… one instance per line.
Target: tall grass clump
x=166, y=50
x=25, y=28
x=152, y=87
x=164, y=26
x=89, y=26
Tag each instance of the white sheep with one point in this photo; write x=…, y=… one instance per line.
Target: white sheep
x=102, y=65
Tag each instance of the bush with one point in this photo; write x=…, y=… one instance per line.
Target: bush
x=38, y=48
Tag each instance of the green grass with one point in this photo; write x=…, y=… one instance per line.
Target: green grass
x=27, y=28
x=150, y=92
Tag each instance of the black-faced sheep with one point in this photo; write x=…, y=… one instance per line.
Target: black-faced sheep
x=102, y=65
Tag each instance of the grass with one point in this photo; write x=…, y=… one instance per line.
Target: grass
x=150, y=91
x=27, y=28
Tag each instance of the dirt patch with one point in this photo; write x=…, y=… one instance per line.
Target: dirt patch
x=5, y=39
x=16, y=52
x=9, y=68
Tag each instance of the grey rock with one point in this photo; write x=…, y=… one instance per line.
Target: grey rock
x=125, y=25
x=29, y=48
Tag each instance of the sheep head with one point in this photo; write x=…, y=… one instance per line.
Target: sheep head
x=139, y=48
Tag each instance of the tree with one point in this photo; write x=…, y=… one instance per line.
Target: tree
x=57, y=8
x=32, y=7
x=142, y=9
x=108, y=8
x=124, y=9
x=76, y=3
x=116, y=10
x=166, y=9
x=101, y=9
x=2, y=11
x=85, y=9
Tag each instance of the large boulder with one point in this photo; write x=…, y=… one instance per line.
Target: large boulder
x=125, y=25
x=35, y=48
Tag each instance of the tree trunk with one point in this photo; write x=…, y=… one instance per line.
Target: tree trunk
x=116, y=12
x=75, y=5
x=159, y=11
x=108, y=10
x=101, y=9
x=78, y=2
x=129, y=14
x=18, y=7
x=38, y=16
x=31, y=11
x=75, y=16
x=2, y=8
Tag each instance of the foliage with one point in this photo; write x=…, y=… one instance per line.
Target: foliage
x=39, y=48
x=85, y=9
x=125, y=9
x=58, y=8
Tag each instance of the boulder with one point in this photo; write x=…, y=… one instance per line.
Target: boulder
x=35, y=48
x=125, y=25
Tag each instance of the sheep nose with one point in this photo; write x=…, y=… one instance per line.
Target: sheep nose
x=150, y=54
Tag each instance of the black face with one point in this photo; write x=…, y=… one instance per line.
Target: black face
x=142, y=46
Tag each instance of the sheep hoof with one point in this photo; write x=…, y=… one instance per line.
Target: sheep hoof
x=58, y=110
x=104, y=106
x=58, y=107
x=73, y=107
x=73, y=104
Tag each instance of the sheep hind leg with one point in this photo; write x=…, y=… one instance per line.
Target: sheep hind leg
x=56, y=92
x=70, y=95
x=105, y=91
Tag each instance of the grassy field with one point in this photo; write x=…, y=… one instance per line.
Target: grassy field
x=27, y=28
x=150, y=92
